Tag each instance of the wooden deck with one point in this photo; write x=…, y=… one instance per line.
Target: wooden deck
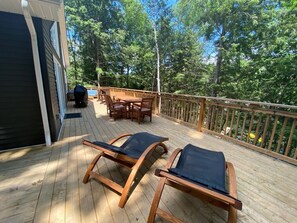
x=45, y=184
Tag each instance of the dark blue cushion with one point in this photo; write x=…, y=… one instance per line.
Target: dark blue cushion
x=135, y=145
x=205, y=167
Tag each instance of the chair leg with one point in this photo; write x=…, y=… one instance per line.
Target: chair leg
x=232, y=215
x=127, y=187
x=139, y=116
x=156, y=200
x=91, y=167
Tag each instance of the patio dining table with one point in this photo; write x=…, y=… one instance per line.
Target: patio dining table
x=129, y=100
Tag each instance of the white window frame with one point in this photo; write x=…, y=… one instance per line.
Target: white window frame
x=55, y=38
x=60, y=88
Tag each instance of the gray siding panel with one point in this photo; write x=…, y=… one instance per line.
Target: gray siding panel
x=20, y=116
x=46, y=56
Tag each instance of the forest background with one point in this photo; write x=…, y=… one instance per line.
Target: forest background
x=244, y=49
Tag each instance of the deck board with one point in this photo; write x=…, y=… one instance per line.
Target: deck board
x=42, y=184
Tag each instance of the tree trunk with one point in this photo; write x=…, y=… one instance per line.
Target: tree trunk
x=158, y=66
x=127, y=79
x=217, y=71
x=97, y=70
x=74, y=57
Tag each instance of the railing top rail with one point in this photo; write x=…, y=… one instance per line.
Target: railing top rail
x=128, y=89
x=234, y=100
x=253, y=102
x=218, y=99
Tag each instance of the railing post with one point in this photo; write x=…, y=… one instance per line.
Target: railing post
x=156, y=101
x=201, y=113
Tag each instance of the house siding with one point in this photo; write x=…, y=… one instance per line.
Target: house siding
x=49, y=80
x=20, y=115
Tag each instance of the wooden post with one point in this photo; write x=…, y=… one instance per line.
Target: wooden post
x=201, y=114
x=156, y=101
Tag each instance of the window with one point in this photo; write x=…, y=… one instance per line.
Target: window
x=55, y=38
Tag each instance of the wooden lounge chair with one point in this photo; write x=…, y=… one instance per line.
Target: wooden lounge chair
x=132, y=154
x=142, y=110
x=201, y=173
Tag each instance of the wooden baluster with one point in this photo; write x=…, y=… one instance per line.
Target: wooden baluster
x=201, y=114
x=237, y=124
x=195, y=113
x=170, y=107
x=190, y=110
x=295, y=154
x=212, y=117
x=221, y=121
x=243, y=125
x=290, y=137
x=280, y=140
x=226, y=123
x=182, y=113
x=250, y=127
x=231, y=124
x=209, y=111
x=185, y=111
x=265, y=130
x=178, y=109
x=258, y=128
x=273, y=132
x=216, y=120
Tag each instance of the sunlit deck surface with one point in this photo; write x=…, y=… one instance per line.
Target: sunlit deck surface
x=45, y=184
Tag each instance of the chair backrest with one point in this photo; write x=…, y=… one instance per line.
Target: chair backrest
x=139, y=142
x=108, y=101
x=147, y=103
x=203, y=167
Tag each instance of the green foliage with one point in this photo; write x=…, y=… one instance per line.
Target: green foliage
x=252, y=54
x=255, y=42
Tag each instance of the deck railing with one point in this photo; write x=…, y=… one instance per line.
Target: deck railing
x=265, y=127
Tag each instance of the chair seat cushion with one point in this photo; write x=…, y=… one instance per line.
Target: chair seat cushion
x=145, y=109
x=205, y=167
x=118, y=106
x=134, y=146
x=139, y=142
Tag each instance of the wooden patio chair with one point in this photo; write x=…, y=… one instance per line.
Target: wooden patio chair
x=140, y=111
x=115, y=109
x=201, y=173
x=133, y=153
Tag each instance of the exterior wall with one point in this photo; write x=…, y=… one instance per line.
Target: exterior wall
x=20, y=116
x=46, y=52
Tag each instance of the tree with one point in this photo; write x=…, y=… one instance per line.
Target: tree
x=156, y=9
x=255, y=43
x=214, y=20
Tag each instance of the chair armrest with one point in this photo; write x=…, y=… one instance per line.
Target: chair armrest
x=119, y=103
x=112, y=141
x=172, y=158
x=202, y=190
x=136, y=104
x=109, y=152
x=135, y=107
